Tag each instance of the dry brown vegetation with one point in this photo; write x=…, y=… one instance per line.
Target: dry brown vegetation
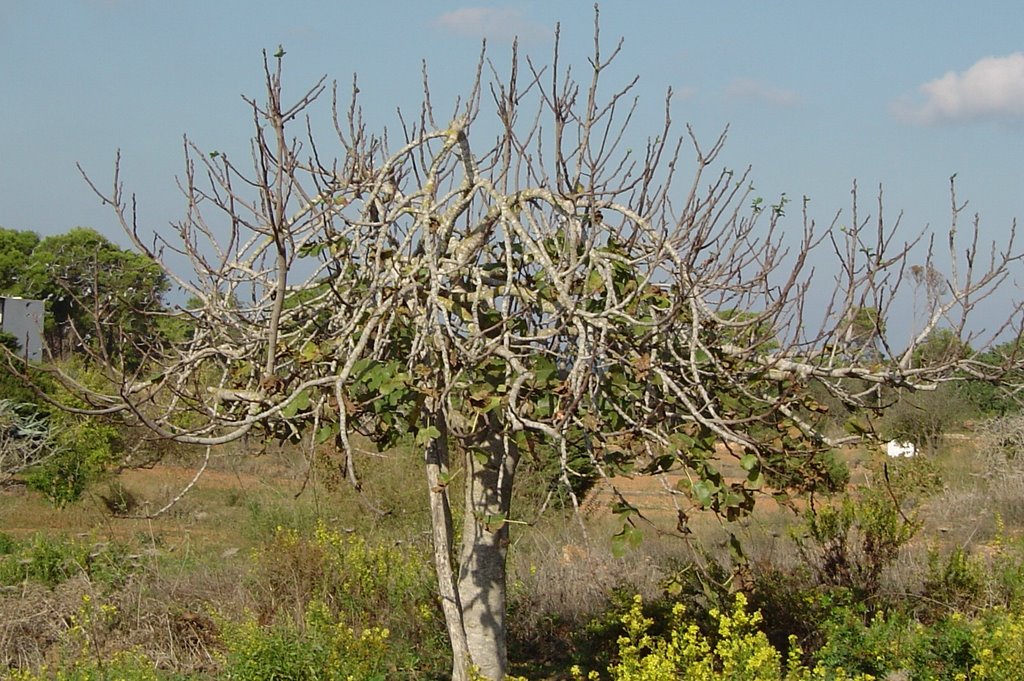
x=185, y=570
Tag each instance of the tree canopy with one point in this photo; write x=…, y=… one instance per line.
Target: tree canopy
x=16, y=249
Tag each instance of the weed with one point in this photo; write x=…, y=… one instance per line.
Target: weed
x=85, y=655
x=738, y=651
x=8, y=544
x=52, y=560
x=363, y=586
x=319, y=647
x=850, y=544
x=122, y=666
x=956, y=583
x=864, y=642
x=119, y=500
x=923, y=417
x=266, y=519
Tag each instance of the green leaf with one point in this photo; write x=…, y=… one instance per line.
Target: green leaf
x=424, y=436
x=393, y=383
x=311, y=249
x=733, y=500
x=704, y=492
x=628, y=538
x=493, y=404
x=748, y=462
x=299, y=402
x=360, y=367
x=856, y=427
x=624, y=508
x=374, y=375
x=543, y=369
x=754, y=479
x=494, y=522
x=736, y=549
x=309, y=352
x=326, y=433
x=682, y=443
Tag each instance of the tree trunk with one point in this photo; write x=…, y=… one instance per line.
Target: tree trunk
x=442, y=534
x=490, y=467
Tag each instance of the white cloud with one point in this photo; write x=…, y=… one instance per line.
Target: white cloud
x=684, y=92
x=752, y=90
x=495, y=23
x=991, y=89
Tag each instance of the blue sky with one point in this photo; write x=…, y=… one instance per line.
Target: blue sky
x=816, y=94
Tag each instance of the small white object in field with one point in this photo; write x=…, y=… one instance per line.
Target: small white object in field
x=895, y=448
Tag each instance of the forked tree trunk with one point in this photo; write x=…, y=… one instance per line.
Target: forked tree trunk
x=474, y=601
x=481, y=585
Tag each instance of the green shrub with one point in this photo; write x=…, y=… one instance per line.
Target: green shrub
x=986, y=647
x=877, y=647
x=923, y=417
x=956, y=583
x=319, y=648
x=943, y=650
x=51, y=560
x=997, y=643
x=738, y=652
x=850, y=544
x=1007, y=569
x=267, y=519
x=8, y=544
x=797, y=604
x=913, y=479
x=85, y=447
x=363, y=586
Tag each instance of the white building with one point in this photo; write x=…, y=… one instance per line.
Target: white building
x=23, y=319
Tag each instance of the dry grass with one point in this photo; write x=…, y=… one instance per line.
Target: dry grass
x=195, y=558
x=165, y=616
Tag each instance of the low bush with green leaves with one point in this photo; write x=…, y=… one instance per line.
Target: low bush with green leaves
x=50, y=560
x=80, y=447
x=923, y=417
x=739, y=651
x=319, y=648
x=85, y=447
x=850, y=544
x=984, y=646
x=354, y=584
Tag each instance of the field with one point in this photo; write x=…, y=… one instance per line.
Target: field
x=244, y=560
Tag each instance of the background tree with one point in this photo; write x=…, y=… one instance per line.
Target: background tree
x=102, y=302
x=15, y=252
x=98, y=295
x=940, y=347
x=866, y=327
x=546, y=291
